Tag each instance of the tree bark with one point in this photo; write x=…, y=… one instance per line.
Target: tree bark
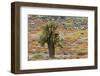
x=51, y=49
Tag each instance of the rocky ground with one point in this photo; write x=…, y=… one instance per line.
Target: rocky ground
x=75, y=46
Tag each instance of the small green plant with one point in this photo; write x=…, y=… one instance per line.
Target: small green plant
x=37, y=56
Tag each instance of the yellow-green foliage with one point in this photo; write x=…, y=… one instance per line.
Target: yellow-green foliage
x=69, y=24
x=76, y=34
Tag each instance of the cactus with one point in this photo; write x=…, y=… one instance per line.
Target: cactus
x=51, y=37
